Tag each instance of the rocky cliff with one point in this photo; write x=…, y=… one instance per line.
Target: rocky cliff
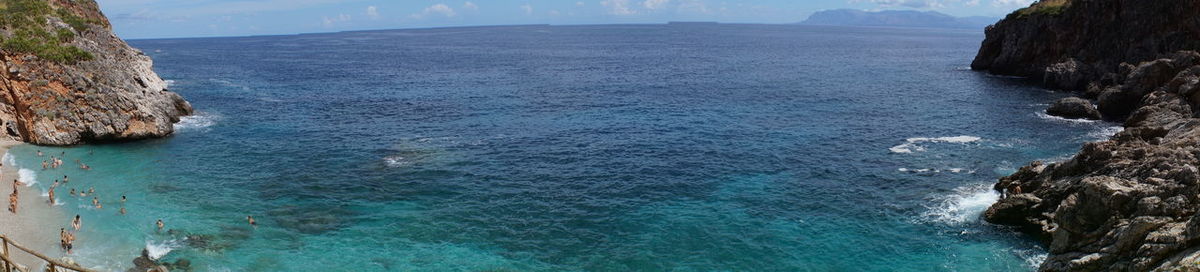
x=65, y=78
x=1130, y=203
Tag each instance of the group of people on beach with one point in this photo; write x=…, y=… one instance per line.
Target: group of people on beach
x=67, y=236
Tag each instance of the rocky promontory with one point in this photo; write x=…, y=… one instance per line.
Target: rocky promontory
x=1129, y=203
x=65, y=78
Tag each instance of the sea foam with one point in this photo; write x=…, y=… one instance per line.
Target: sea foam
x=911, y=145
x=160, y=249
x=29, y=177
x=965, y=205
x=196, y=122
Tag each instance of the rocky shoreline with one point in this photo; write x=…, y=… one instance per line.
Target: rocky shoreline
x=111, y=95
x=1128, y=203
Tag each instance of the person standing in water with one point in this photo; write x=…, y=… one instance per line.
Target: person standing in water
x=160, y=224
x=51, y=194
x=96, y=202
x=77, y=223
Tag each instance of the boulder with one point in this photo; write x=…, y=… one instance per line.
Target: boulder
x=1074, y=108
x=1072, y=75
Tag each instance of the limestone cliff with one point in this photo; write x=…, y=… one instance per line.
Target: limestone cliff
x=1130, y=203
x=67, y=79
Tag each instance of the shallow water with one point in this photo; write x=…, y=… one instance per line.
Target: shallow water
x=611, y=148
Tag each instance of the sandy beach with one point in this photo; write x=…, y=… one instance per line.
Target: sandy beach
x=36, y=223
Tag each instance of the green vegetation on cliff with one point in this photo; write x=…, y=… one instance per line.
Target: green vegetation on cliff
x=25, y=30
x=1043, y=7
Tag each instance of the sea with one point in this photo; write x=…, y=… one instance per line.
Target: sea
x=671, y=147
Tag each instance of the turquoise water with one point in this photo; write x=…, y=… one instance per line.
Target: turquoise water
x=573, y=148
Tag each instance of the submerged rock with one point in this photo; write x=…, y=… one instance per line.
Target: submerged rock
x=1074, y=108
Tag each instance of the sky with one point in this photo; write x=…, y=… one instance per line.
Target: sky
x=141, y=19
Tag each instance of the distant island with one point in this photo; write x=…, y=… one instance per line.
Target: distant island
x=896, y=18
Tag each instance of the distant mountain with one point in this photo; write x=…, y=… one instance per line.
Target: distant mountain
x=896, y=18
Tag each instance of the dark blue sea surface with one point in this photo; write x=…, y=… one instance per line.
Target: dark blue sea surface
x=576, y=148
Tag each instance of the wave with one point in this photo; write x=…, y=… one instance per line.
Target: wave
x=196, y=122
x=160, y=249
x=927, y=170
x=1045, y=116
x=169, y=82
x=29, y=177
x=965, y=205
x=9, y=160
x=395, y=161
x=1105, y=133
x=911, y=144
x=1033, y=257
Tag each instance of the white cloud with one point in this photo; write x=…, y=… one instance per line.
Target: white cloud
x=470, y=6
x=655, y=4
x=693, y=6
x=372, y=12
x=527, y=8
x=330, y=22
x=437, y=9
x=1011, y=3
x=618, y=7
x=917, y=4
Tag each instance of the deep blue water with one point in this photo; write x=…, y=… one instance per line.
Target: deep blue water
x=576, y=148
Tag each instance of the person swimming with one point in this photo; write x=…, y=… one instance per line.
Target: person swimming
x=160, y=224
x=92, y=190
x=72, y=192
x=251, y=220
x=77, y=223
x=122, y=211
x=96, y=202
x=64, y=179
x=122, y=198
x=44, y=165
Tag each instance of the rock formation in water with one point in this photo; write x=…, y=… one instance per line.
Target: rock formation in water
x=1074, y=108
x=65, y=78
x=1129, y=203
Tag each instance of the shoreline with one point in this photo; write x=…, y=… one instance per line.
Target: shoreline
x=35, y=224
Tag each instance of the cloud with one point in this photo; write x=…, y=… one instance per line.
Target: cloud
x=1011, y=3
x=655, y=4
x=618, y=7
x=470, y=6
x=328, y=22
x=437, y=9
x=693, y=6
x=527, y=8
x=916, y=4
x=372, y=12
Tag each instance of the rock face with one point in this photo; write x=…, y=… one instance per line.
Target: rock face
x=1131, y=203
x=1069, y=43
x=114, y=96
x=1074, y=108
